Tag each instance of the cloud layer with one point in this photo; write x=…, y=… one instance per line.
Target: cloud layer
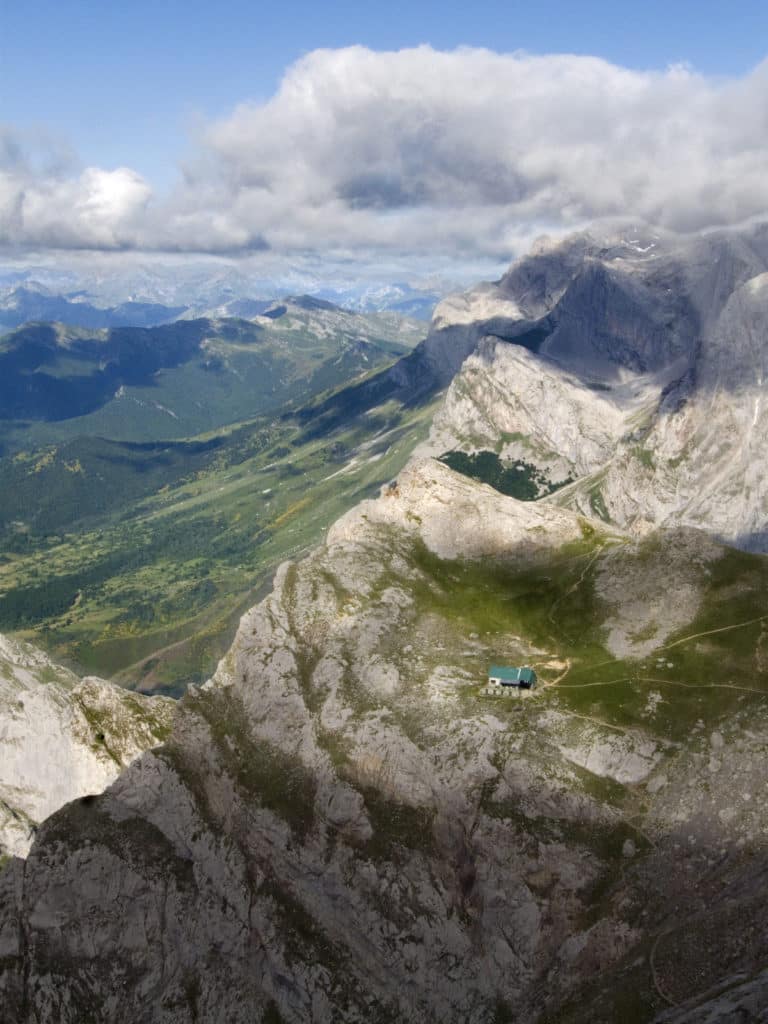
x=422, y=151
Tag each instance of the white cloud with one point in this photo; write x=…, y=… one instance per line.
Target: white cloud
x=98, y=209
x=424, y=151
x=44, y=203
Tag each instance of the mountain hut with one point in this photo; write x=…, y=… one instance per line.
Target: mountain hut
x=501, y=675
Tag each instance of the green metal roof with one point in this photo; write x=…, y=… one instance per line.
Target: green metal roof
x=502, y=672
x=512, y=675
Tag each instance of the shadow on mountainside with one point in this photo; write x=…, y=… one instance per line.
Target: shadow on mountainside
x=665, y=922
x=45, y=378
x=411, y=382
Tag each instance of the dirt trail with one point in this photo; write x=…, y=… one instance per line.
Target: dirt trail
x=604, y=682
x=710, y=632
x=703, y=686
x=575, y=586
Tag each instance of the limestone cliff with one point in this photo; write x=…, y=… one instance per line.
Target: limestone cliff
x=635, y=366
x=62, y=737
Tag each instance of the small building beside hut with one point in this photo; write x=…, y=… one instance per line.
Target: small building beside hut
x=502, y=675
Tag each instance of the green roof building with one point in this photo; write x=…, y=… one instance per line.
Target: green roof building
x=501, y=675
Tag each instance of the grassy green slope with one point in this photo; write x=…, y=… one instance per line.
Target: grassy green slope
x=115, y=545
x=178, y=542
x=183, y=378
x=715, y=664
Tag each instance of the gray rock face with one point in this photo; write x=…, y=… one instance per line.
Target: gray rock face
x=513, y=401
x=646, y=379
x=62, y=737
x=589, y=303
x=739, y=1000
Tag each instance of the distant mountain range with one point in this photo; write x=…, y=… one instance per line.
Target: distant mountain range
x=24, y=301
x=180, y=378
x=22, y=305
x=398, y=297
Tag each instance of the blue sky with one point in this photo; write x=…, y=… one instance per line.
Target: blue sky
x=357, y=132
x=127, y=83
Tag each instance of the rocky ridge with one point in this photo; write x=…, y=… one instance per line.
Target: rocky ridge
x=637, y=366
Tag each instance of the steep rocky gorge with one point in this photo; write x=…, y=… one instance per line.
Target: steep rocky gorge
x=342, y=825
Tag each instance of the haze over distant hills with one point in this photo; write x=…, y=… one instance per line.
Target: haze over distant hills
x=22, y=305
x=158, y=294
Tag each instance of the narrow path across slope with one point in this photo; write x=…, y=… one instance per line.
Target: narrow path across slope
x=665, y=647
x=575, y=586
x=603, y=682
x=666, y=682
x=710, y=632
x=702, y=686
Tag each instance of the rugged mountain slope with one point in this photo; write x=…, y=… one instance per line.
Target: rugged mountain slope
x=644, y=376
x=698, y=460
x=135, y=384
x=344, y=825
x=510, y=401
x=62, y=737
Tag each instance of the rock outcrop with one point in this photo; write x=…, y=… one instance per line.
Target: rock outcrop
x=62, y=737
